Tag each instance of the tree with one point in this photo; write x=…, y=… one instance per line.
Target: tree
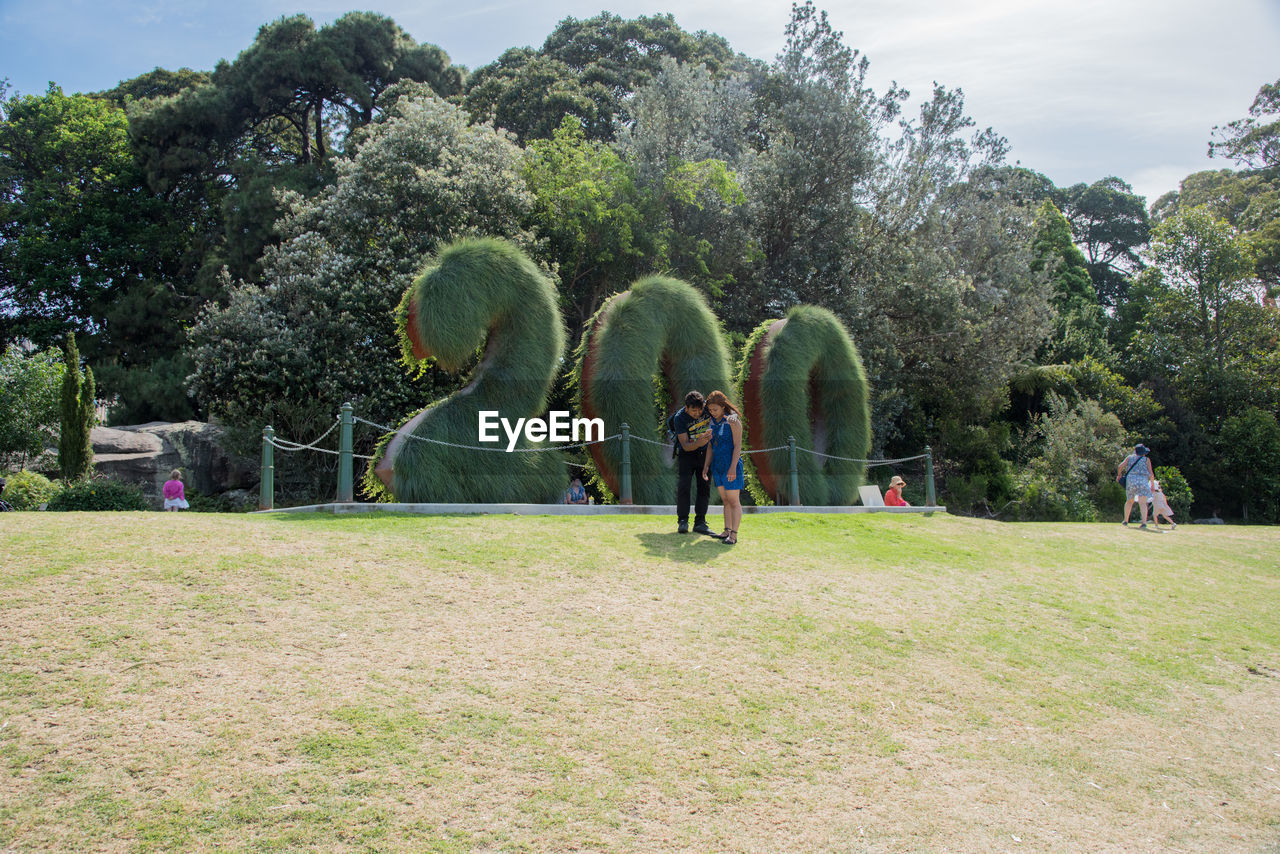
x=29, y=392
x=605, y=228
x=530, y=95
x=77, y=227
x=1250, y=443
x=588, y=207
x=1111, y=225
x=1254, y=141
x=159, y=83
x=75, y=449
x=1204, y=257
x=1073, y=451
x=271, y=121
x=1249, y=201
x=586, y=69
x=1078, y=330
x=321, y=330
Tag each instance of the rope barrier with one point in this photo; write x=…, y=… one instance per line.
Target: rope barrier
x=636, y=438
x=871, y=463
x=276, y=443
x=295, y=446
x=387, y=429
x=347, y=419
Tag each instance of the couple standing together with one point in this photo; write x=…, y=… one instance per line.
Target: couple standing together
x=708, y=449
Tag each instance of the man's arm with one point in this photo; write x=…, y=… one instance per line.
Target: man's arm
x=693, y=444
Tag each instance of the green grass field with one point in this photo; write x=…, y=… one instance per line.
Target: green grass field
x=187, y=682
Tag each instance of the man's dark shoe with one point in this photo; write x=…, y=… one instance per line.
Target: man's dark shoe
x=683, y=529
x=703, y=529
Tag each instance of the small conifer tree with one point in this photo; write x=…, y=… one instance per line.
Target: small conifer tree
x=75, y=450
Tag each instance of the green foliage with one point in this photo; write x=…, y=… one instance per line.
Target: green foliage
x=1176, y=490
x=29, y=391
x=1248, y=201
x=812, y=387
x=603, y=228
x=201, y=503
x=77, y=227
x=1204, y=257
x=1250, y=449
x=27, y=490
x=532, y=96
x=482, y=293
x=661, y=330
x=1111, y=225
x=969, y=460
x=323, y=330
x=1253, y=141
x=587, y=206
x=78, y=415
x=100, y=494
x=1074, y=452
x=1078, y=330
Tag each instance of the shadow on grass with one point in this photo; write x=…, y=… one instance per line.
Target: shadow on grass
x=689, y=548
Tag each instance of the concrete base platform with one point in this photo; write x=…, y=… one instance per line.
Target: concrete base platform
x=572, y=509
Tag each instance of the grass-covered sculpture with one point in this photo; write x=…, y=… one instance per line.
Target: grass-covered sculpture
x=478, y=292
x=801, y=376
x=640, y=354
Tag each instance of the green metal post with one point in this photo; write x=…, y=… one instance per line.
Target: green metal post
x=625, y=497
x=795, y=472
x=345, y=491
x=267, y=491
x=930, y=497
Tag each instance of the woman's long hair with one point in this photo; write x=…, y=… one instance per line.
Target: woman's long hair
x=720, y=399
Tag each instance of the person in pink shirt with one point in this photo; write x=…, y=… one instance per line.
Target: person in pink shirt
x=174, y=495
x=893, y=497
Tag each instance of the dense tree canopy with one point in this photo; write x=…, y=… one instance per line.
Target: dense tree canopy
x=233, y=242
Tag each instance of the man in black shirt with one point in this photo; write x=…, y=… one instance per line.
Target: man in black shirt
x=692, y=429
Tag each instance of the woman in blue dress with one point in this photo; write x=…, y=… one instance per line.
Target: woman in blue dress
x=724, y=461
x=1136, y=474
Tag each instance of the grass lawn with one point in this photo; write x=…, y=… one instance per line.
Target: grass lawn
x=187, y=682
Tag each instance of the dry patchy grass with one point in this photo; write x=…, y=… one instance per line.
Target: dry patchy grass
x=189, y=682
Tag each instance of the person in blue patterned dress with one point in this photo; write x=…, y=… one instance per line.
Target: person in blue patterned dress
x=724, y=461
x=1136, y=473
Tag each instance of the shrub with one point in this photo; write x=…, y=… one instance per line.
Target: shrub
x=29, y=384
x=27, y=490
x=1176, y=490
x=100, y=494
x=1041, y=499
x=201, y=503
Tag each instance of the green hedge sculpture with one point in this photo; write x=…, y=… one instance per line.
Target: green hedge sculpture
x=801, y=376
x=477, y=292
x=644, y=349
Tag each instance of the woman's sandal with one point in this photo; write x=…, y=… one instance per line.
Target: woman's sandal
x=731, y=538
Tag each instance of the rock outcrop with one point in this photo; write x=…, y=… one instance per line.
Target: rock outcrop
x=145, y=454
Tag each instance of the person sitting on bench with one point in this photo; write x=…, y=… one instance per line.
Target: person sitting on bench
x=893, y=496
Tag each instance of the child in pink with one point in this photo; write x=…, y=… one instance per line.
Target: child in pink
x=174, y=495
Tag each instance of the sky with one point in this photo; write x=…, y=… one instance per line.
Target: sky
x=1082, y=90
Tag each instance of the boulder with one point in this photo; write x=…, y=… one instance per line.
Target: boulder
x=145, y=454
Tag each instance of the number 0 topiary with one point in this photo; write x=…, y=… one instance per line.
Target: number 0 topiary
x=658, y=332
x=801, y=376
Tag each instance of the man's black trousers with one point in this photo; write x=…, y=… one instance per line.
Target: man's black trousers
x=689, y=466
